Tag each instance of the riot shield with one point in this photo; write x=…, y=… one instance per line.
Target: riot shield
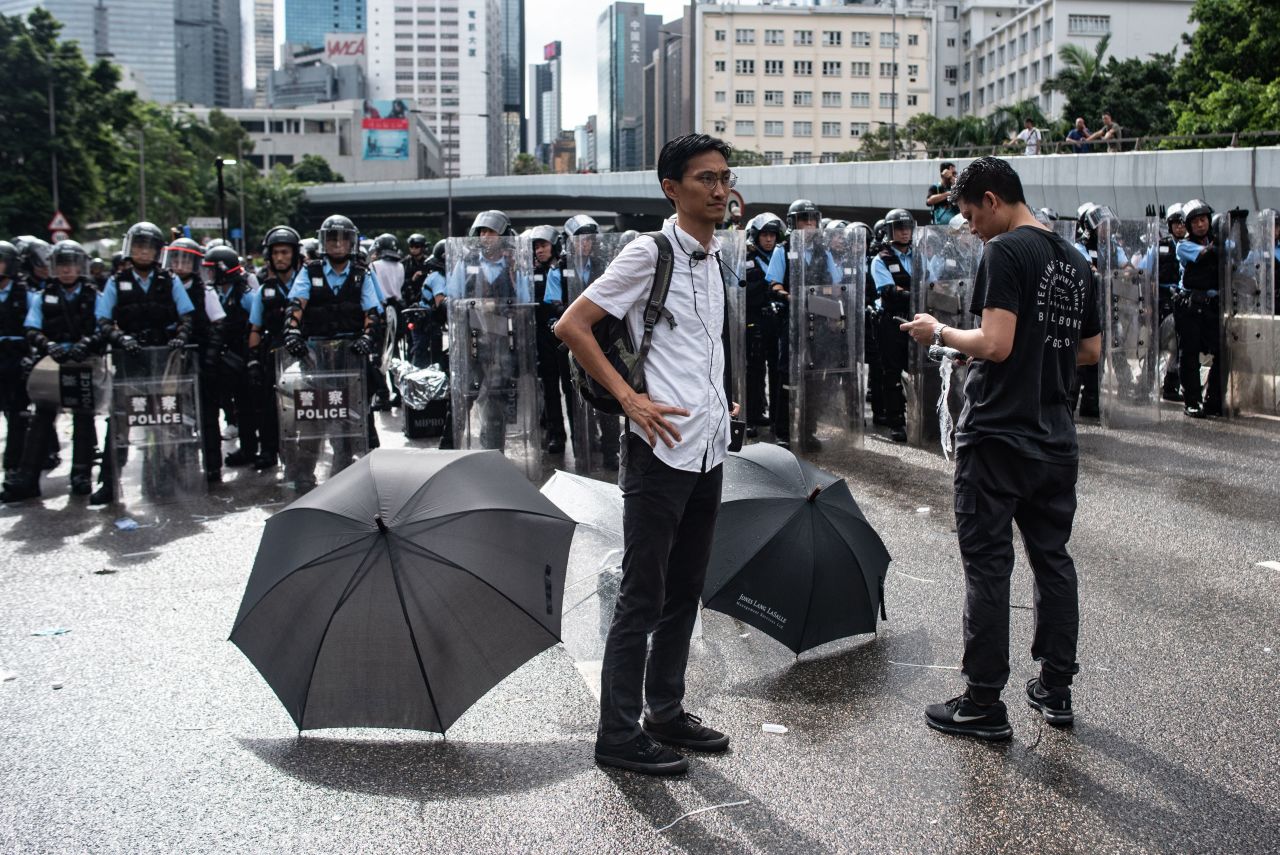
x=1250, y=342
x=595, y=435
x=826, y=384
x=155, y=411
x=493, y=349
x=323, y=403
x=1128, y=374
x=733, y=261
x=78, y=387
x=946, y=263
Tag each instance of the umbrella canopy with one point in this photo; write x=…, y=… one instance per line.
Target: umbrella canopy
x=793, y=554
x=404, y=589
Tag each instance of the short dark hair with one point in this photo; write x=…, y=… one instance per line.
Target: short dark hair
x=984, y=175
x=677, y=153
x=946, y=164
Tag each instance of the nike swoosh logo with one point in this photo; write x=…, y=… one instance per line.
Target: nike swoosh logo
x=963, y=718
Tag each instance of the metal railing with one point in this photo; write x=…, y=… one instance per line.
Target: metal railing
x=1151, y=142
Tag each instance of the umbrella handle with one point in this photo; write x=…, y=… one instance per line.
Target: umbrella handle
x=814, y=495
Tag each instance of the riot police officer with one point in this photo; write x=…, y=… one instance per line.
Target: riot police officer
x=553, y=363
x=282, y=249
x=428, y=336
x=15, y=302
x=589, y=266
x=891, y=271
x=143, y=305
x=389, y=272
x=335, y=297
x=765, y=235
x=1168, y=274
x=415, y=269
x=61, y=325
x=33, y=258
x=1196, y=311
x=225, y=276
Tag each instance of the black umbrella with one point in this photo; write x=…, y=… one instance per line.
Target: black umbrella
x=793, y=555
x=404, y=589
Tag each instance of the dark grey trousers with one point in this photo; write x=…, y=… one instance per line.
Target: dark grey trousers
x=994, y=488
x=668, y=520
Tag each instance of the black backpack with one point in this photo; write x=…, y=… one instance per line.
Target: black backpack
x=614, y=337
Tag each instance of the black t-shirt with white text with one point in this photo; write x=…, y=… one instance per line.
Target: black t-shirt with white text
x=1024, y=401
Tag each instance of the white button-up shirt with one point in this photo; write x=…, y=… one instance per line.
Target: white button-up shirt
x=685, y=366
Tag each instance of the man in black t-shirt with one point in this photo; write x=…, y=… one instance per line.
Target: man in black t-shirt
x=1016, y=452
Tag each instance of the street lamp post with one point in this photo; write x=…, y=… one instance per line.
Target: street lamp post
x=219, y=162
x=244, y=235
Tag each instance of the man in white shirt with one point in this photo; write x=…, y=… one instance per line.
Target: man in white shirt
x=1029, y=136
x=671, y=488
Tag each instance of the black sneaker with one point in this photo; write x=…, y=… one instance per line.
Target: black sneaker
x=898, y=433
x=641, y=754
x=687, y=731
x=963, y=717
x=1053, y=704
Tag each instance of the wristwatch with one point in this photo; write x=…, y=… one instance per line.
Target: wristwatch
x=937, y=333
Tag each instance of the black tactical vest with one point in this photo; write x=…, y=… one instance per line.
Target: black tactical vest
x=66, y=321
x=755, y=282
x=332, y=313
x=13, y=312
x=199, y=317
x=1201, y=274
x=275, y=303
x=477, y=284
x=898, y=302
x=1167, y=259
x=145, y=315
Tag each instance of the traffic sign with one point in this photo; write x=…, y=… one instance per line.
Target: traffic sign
x=59, y=223
x=57, y=236
x=205, y=223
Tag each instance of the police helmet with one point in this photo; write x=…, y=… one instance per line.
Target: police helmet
x=436, y=260
x=766, y=222
x=337, y=227
x=878, y=232
x=898, y=217
x=802, y=208
x=1093, y=216
x=824, y=223
x=385, y=248
x=580, y=224
x=1174, y=214
x=8, y=257
x=34, y=253
x=218, y=264
x=859, y=228
x=215, y=242
x=417, y=240
x=836, y=225
x=1196, y=208
x=97, y=265
x=182, y=248
x=67, y=252
x=310, y=248
x=959, y=223
x=142, y=234
x=281, y=235
x=627, y=237
x=547, y=233
x=1046, y=215
x=117, y=259
x=495, y=220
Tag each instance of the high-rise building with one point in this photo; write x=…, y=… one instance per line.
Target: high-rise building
x=544, y=103
x=308, y=76
x=584, y=145
x=625, y=40
x=513, y=82
x=135, y=34
x=264, y=48
x=445, y=62
x=671, y=85
x=209, y=65
x=306, y=21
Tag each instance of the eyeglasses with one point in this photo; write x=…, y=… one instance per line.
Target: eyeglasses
x=710, y=179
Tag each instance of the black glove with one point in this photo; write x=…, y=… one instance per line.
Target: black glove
x=130, y=344
x=79, y=351
x=59, y=353
x=363, y=345
x=27, y=364
x=256, y=375
x=294, y=342
x=177, y=342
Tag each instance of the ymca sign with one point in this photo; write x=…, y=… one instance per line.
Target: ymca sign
x=344, y=48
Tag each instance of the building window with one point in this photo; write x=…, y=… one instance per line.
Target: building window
x=912, y=40
x=831, y=99
x=1022, y=79
x=774, y=67
x=802, y=129
x=1088, y=25
x=829, y=157
x=831, y=38
x=888, y=69
x=858, y=129
x=964, y=102
x=859, y=99
x=1022, y=44
x=859, y=38
x=1035, y=72
x=888, y=99
x=982, y=65
x=719, y=65
x=889, y=40
x=1035, y=36
x=744, y=37
x=952, y=13
x=859, y=69
x=774, y=129
x=718, y=126
x=774, y=158
x=913, y=71
x=744, y=128
x=1048, y=66
x=1000, y=89
x=720, y=35
x=967, y=71
x=831, y=68
x=803, y=38
x=802, y=157
x=949, y=73
x=801, y=99
x=831, y=129
x=951, y=42
x=1000, y=54
x=720, y=97
x=982, y=98
x=774, y=98
x=802, y=68
x=913, y=100
x=744, y=97
x=774, y=37
x=744, y=66
x=1048, y=29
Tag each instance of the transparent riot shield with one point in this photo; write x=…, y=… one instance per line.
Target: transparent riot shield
x=78, y=387
x=1250, y=345
x=595, y=435
x=1128, y=374
x=733, y=261
x=946, y=263
x=493, y=349
x=826, y=384
x=155, y=426
x=323, y=403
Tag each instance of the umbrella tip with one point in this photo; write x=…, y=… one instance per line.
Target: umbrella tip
x=814, y=495
x=382, y=527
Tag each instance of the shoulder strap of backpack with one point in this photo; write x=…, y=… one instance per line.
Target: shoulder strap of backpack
x=654, y=309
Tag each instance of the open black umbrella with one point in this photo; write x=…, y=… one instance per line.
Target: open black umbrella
x=404, y=589
x=793, y=555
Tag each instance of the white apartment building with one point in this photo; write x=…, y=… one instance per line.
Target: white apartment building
x=1006, y=49
x=444, y=59
x=803, y=84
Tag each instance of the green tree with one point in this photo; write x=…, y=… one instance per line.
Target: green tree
x=747, y=157
x=314, y=169
x=527, y=164
x=1136, y=91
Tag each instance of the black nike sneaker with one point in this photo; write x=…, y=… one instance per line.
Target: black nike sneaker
x=963, y=717
x=1053, y=703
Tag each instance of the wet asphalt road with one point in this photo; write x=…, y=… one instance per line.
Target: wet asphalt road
x=162, y=737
